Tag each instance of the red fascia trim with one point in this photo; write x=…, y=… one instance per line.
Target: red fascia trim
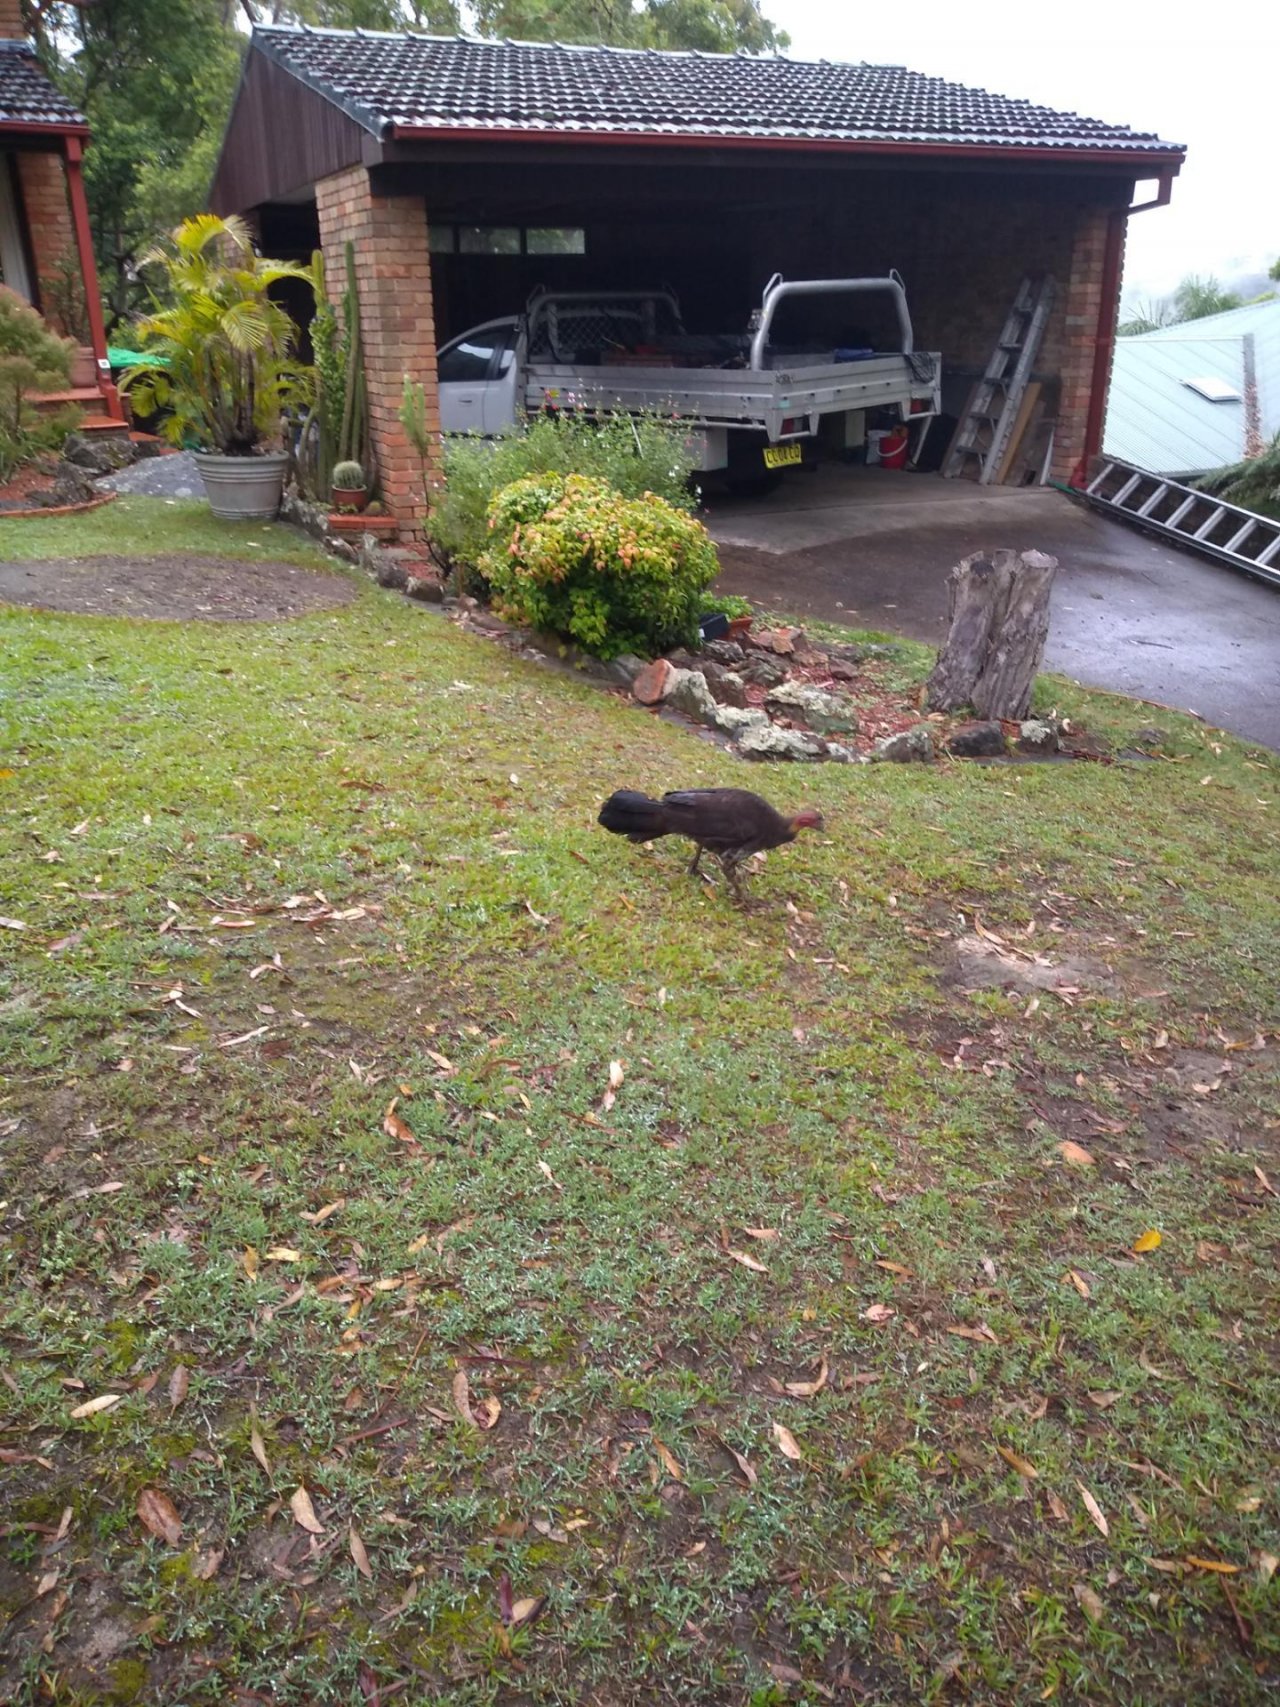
x=1108, y=319
x=824, y=145
x=55, y=132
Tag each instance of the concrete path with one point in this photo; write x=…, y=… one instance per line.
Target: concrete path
x=873, y=548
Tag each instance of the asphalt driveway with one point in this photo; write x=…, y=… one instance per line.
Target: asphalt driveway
x=873, y=548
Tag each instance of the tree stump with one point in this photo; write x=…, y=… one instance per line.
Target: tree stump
x=999, y=620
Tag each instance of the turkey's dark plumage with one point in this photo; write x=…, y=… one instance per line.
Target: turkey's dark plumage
x=730, y=823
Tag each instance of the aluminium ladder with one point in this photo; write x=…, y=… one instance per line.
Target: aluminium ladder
x=1180, y=513
x=992, y=411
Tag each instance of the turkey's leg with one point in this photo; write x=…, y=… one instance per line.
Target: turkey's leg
x=729, y=865
x=696, y=862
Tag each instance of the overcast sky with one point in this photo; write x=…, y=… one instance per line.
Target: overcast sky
x=1209, y=80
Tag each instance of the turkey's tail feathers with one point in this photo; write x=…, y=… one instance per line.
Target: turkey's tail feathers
x=634, y=815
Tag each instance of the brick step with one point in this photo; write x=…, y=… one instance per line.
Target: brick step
x=83, y=394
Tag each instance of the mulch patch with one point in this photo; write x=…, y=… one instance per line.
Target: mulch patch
x=23, y=489
x=173, y=588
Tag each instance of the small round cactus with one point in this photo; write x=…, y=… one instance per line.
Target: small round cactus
x=348, y=477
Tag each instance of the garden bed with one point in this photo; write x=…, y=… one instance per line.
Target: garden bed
x=172, y=588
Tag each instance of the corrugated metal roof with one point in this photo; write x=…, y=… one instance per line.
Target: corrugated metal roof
x=1156, y=421
x=27, y=97
x=415, y=82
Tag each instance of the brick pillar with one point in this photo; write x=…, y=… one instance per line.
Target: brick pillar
x=44, y=197
x=12, y=27
x=1081, y=322
x=393, y=274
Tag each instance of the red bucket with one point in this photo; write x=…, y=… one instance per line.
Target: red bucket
x=893, y=449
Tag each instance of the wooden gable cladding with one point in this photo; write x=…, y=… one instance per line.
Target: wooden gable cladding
x=282, y=137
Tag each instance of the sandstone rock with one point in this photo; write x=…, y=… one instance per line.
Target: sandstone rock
x=976, y=741
x=624, y=669
x=734, y=719
x=1037, y=736
x=681, y=658
x=727, y=687
x=839, y=754
x=785, y=642
x=97, y=455
x=726, y=652
x=764, y=671
x=71, y=485
x=689, y=693
x=429, y=589
x=819, y=710
x=767, y=741
x=840, y=671
x=908, y=746
x=652, y=682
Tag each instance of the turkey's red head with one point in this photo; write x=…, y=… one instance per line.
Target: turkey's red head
x=809, y=819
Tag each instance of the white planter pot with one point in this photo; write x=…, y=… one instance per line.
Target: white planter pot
x=243, y=488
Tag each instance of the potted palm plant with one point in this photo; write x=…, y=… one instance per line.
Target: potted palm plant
x=230, y=373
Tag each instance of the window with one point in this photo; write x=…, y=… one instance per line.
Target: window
x=555, y=240
x=13, y=261
x=507, y=240
x=468, y=363
x=489, y=239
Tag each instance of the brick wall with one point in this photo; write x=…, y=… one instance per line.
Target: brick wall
x=44, y=197
x=393, y=273
x=12, y=27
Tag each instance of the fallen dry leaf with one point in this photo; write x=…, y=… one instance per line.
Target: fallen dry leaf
x=258, y=1449
x=668, y=1458
x=324, y=1214
x=1019, y=1463
x=179, y=1383
x=552, y=1531
x=1088, y=1601
x=766, y=1234
x=1076, y=1279
x=746, y=1261
x=1075, y=1155
x=91, y=1407
x=897, y=1268
x=981, y=1332
x=159, y=1515
x=1056, y=1507
x=304, y=1513
x=1095, y=1510
x=394, y=1127
x=1217, y=1565
x=787, y=1443
x=1148, y=1241
x=250, y=1261
x=878, y=1312
x=358, y=1553
x=462, y=1397
x=745, y=1469
x=523, y=1611
x=486, y=1411
x=283, y=1253
x=807, y=1389
x=616, y=1076
x=1268, y=1564
x=1103, y=1401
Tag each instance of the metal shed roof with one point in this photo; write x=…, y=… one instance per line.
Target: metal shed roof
x=404, y=84
x=1156, y=420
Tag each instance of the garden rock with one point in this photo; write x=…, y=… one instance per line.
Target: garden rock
x=767, y=741
x=726, y=652
x=840, y=671
x=851, y=653
x=653, y=682
x=976, y=741
x=727, y=687
x=71, y=485
x=690, y=694
x=624, y=669
x=820, y=710
x=782, y=641
x=428, y=589
x=1037, y=736
x=765, y=672
x=97, y=456
x=735, y=719
x=908, y=746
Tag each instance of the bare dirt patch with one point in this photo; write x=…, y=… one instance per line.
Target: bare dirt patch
x=173, y=588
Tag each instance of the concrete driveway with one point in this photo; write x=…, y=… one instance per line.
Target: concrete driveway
x=873, y=548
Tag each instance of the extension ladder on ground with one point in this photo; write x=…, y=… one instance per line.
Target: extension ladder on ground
x=982, y=436
x=1180, y=513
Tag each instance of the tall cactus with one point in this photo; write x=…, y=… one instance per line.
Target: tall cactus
x=327, y=346
x=353, y=439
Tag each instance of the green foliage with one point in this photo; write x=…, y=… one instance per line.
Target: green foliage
x=634, y=454
x=616, y=574
x=349, y=476
x=1195, y=299
x=231, y=370
x=1273, y=272
x=708, y=26
x=353, y=433
x=1254, y=485
x=730, y=604
x=330, y=380
x=31, y=359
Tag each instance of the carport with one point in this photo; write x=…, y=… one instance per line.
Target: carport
x=466, y=173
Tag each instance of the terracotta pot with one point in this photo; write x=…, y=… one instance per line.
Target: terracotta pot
x=739, y=627
x=350, y=498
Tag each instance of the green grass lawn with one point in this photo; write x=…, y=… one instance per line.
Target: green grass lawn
x=813, y=1368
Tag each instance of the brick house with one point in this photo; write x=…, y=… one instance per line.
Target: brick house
x=468, y=173
x=46, y=249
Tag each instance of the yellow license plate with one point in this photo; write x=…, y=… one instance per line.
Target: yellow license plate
x=782, y=456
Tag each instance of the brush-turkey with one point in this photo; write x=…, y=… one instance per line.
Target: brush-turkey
x=730, y=823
